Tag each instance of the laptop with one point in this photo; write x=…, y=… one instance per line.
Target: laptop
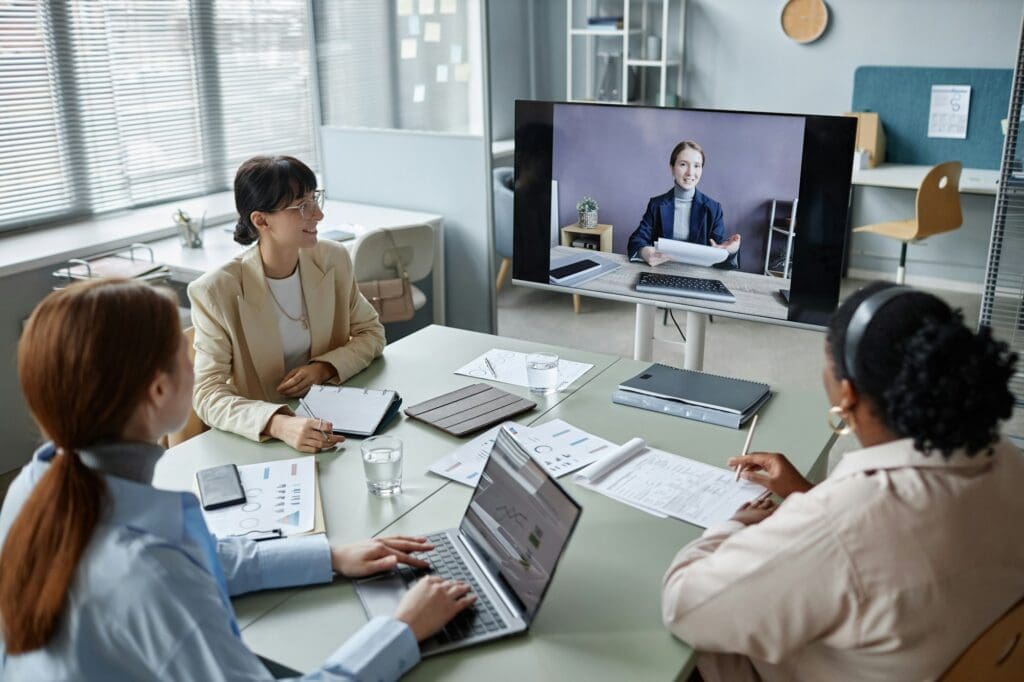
x=511, y=538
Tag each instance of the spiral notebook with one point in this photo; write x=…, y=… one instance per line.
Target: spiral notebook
x=351, y=411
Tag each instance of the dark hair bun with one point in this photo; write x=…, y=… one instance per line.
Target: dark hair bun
x=245, y=233
x=951, y=389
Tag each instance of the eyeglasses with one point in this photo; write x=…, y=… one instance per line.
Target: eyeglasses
x=307, y=207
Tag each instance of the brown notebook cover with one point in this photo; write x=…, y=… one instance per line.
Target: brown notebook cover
x=469, y=409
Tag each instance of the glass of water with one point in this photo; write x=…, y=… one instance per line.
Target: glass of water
x=542, y=372
x=382, y=462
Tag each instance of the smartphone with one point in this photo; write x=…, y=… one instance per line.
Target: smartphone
x=220, y=487
x=559, y=275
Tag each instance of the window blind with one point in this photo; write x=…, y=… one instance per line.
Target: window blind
x=114, y=104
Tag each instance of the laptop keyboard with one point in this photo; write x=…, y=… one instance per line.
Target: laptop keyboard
x=677, y=285
x=478, y=619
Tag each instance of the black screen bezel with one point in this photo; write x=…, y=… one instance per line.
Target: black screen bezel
x=822, y=219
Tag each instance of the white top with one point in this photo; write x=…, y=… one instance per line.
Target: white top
x=295, y=339
x=887, y=570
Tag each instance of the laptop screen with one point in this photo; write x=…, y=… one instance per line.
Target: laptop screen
x=519, y=521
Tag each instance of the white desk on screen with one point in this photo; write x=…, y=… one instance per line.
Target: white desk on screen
x=219, y=247
x=906, y=176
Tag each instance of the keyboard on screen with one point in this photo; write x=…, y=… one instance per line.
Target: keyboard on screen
x=690, y=287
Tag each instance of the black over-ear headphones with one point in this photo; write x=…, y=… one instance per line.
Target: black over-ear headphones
x=860, y=321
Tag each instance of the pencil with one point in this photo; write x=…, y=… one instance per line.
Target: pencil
x=746, y=446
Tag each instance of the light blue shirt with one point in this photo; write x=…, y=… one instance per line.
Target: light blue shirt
x=150, y=598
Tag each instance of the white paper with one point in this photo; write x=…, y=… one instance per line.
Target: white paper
x=612, y=460
x=447, y=6
x=509, y=367
x=456, y=54
x=462, y=72
x=693, y=254
x=665, y=484
x=558, y=446
x=278, y=495
x=404, y=8
x=348, y=409
x=408, y=48
x=426, y=6
x=419, y=93
x=414, y=25
x=442, y=73
x=432, y=32
x=950, y=106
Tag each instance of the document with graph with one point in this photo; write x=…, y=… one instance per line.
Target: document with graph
x=281, y=497
x=668, y=485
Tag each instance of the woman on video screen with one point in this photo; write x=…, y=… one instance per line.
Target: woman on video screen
x=683, y=213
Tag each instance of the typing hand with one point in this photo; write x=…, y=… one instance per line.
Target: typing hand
x=756, y=511
x=381, y=554
x=773, y=471
x=298, y=381
x=431, y=603
x=732, y=244
x=302, y=433
x=653, y=257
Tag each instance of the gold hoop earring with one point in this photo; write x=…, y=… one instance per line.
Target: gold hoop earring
x=842, y=430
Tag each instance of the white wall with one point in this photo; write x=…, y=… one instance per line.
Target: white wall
x=737, y=56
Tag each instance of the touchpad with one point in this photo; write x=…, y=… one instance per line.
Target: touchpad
x=380, y=595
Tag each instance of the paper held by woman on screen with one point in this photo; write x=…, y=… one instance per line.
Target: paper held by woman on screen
x=693, y=254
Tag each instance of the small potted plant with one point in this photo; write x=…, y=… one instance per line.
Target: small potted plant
x=586, y=208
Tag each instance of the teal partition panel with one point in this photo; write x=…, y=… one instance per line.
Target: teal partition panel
x=902, y=96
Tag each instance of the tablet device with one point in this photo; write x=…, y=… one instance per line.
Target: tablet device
x=559, y=275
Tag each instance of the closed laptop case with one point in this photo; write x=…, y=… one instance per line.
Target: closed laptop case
x=698, y=388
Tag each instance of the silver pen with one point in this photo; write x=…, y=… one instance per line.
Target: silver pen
x=490, y=367
x=310, y=413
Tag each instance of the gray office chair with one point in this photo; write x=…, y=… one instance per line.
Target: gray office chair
x=374, y=256
x=504, y=177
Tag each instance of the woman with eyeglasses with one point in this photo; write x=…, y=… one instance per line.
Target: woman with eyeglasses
x=284, y=315
x=911, y=548
x=103, y=576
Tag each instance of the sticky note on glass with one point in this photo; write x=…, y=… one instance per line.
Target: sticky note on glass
x=414, y=25
x=447, y=6
x=432, y=32
x=419, y=93
x=442, y=73
x=404, y=7
x=462, y=72
x=408, y=48
x=426, y=6
x=456, y=54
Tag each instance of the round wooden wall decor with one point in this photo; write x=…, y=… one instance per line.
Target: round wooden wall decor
x=804, y=20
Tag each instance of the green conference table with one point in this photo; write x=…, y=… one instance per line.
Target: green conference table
x=601, y=618
x=420, y=366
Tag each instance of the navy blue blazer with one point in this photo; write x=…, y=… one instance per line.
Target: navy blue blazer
x=706, y=223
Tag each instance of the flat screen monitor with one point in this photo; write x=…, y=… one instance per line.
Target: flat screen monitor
x=735, y=213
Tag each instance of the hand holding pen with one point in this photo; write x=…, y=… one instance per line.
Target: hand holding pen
x=746, y=445
x=772, y=470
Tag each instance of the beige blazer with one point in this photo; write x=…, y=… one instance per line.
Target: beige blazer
x=239, y=358
x=887, y=570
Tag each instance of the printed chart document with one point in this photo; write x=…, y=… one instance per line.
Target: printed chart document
x=558, y=446
x=509, y=367
x=279, y=495
x=694, y=254
x=664, y=484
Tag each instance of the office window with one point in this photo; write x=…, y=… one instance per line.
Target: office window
x=124, y=103
x=407, y=64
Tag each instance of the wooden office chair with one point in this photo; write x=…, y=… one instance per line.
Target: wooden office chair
x=997, y=655
x=193, y=425
x=938, y=210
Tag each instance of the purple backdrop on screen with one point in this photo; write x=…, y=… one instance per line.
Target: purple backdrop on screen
x=620, y=157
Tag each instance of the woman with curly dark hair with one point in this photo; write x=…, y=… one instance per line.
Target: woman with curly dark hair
x=910, y=548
